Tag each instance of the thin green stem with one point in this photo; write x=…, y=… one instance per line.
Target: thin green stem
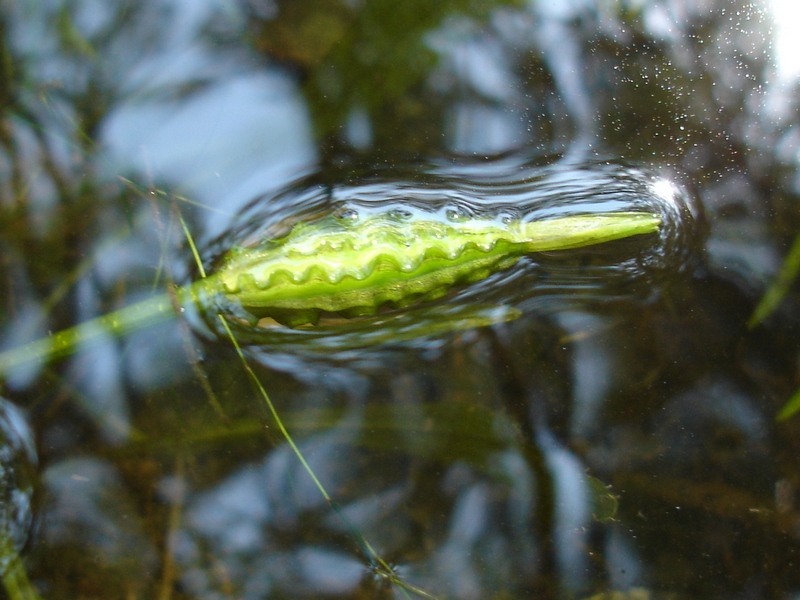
x=790, y=408
x=779, y=288
x=192, y=246
x=276, y=417
x=67, y=341
x=189, y=347
x=379, y=565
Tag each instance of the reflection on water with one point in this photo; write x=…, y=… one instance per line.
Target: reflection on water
x=502, y=191
x=471, y=445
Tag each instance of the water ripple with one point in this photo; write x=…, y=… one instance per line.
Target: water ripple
x=502, y=190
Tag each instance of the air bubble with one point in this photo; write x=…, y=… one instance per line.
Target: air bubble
x=400, y=214
x=348, y=214
x=456, y=215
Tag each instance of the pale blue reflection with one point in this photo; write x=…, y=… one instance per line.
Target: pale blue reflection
x=223, y=146
x=478, y=557
x=95, y=373
x=572, y=512
x=88, y=506
x=474, y=61
x=233, y=511
x=624, y=565
x=96, y=376
x=243, y=526
x=592, y=365
x=358, y=129
x=715, y=404
x=481, y=129
x=741, y=239
x=28, y=325
x=328, y=572
x=563, y=49
x=240, y=133
x=458, y=559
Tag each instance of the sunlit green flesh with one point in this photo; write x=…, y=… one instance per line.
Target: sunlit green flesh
x=356, y=268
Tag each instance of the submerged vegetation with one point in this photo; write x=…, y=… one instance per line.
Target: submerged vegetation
x=769, y=302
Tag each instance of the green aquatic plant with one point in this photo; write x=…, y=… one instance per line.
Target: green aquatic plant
x=351, y=265
x=14, y=578
x=769, y=302
x=780, y=287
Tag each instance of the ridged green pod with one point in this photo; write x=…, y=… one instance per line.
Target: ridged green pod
x=354, y=266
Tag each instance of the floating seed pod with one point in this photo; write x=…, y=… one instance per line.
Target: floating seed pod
x=396, y=255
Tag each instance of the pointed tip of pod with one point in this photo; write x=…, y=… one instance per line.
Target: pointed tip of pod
x=577, y=231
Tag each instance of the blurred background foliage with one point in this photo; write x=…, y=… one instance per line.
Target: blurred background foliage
x=370, y=62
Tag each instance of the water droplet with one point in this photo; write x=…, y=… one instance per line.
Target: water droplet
x=456, y=215
x=507, y=217
x=400, y=214
x=348, y=214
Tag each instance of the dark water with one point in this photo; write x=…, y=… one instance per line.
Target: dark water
x=616, y=438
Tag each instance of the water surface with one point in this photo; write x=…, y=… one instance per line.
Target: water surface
x=617, y=435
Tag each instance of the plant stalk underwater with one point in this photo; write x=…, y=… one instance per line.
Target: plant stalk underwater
x=350, y=266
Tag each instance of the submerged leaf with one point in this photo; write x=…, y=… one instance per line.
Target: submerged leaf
x=790, y=408
x=770, y=301
x=780, y=287
x=443, y=431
